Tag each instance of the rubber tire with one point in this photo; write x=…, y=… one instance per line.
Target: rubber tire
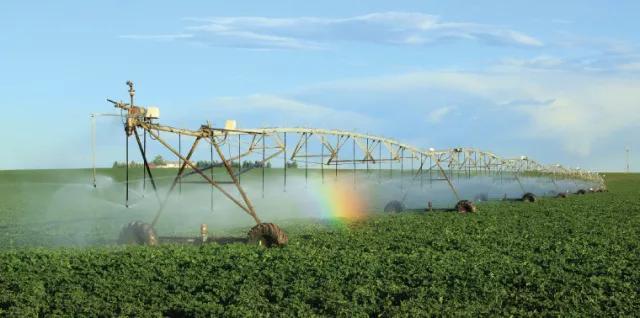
x=394, y=206
x=267, y=235
x=529, y=197
x=138, y=233
x=581, y=191
x=561, y=195
x=466, y=206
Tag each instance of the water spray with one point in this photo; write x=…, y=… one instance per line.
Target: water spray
x=347, y=152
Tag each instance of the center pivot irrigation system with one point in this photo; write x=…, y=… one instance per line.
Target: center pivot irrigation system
x=327, y=152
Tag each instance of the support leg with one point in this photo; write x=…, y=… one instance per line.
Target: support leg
x=453, y=189
x=177, y=178
x=146, y=164
x=144, y=151
x=126, y=165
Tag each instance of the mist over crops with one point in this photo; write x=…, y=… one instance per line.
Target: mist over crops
x=62, y=208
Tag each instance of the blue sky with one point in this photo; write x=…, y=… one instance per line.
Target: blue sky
x=559, y=81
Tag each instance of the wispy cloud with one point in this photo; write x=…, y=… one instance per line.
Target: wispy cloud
x=272, y=110
x=631, y=66
x=543, y=61
x=600, y=62
x=562, y=21
x=575, y=109
x=385, y=28
x=606, y=45
x=438, y=114
x=570, y=52
x=158, y=37
x=527, y=103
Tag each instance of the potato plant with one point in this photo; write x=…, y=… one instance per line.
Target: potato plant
x=578, y=256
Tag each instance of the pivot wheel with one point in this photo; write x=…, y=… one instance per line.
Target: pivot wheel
x=466, y=206
x=268, y=235
x=394, y=206
x=529, y=197
x=138, y=233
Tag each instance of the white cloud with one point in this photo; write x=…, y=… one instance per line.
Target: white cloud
x=601, y=45
x=602, y=62
x=279, y=111
x=436, y=115
x=543, y=61
x=575, y=109
x=632, y=67
x=562, y=21
x=387, y=28
x=527, y=102
x=158, y=37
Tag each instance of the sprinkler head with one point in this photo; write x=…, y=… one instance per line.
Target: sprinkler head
x=204, y=232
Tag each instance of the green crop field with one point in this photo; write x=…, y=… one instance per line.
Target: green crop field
x=578, y=256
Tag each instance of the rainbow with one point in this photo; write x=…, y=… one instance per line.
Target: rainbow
x=336, y=201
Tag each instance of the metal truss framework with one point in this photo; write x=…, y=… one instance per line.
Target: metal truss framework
x=337, y=149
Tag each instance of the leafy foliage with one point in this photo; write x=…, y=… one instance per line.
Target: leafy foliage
x=159, y=161
x=578, y=256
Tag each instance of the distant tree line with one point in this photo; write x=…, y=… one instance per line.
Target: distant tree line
x=292, y=164
x=132, y=164
x=159, y=161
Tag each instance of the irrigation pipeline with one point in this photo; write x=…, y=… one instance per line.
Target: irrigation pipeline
x=463, y=159
x=320, y=149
